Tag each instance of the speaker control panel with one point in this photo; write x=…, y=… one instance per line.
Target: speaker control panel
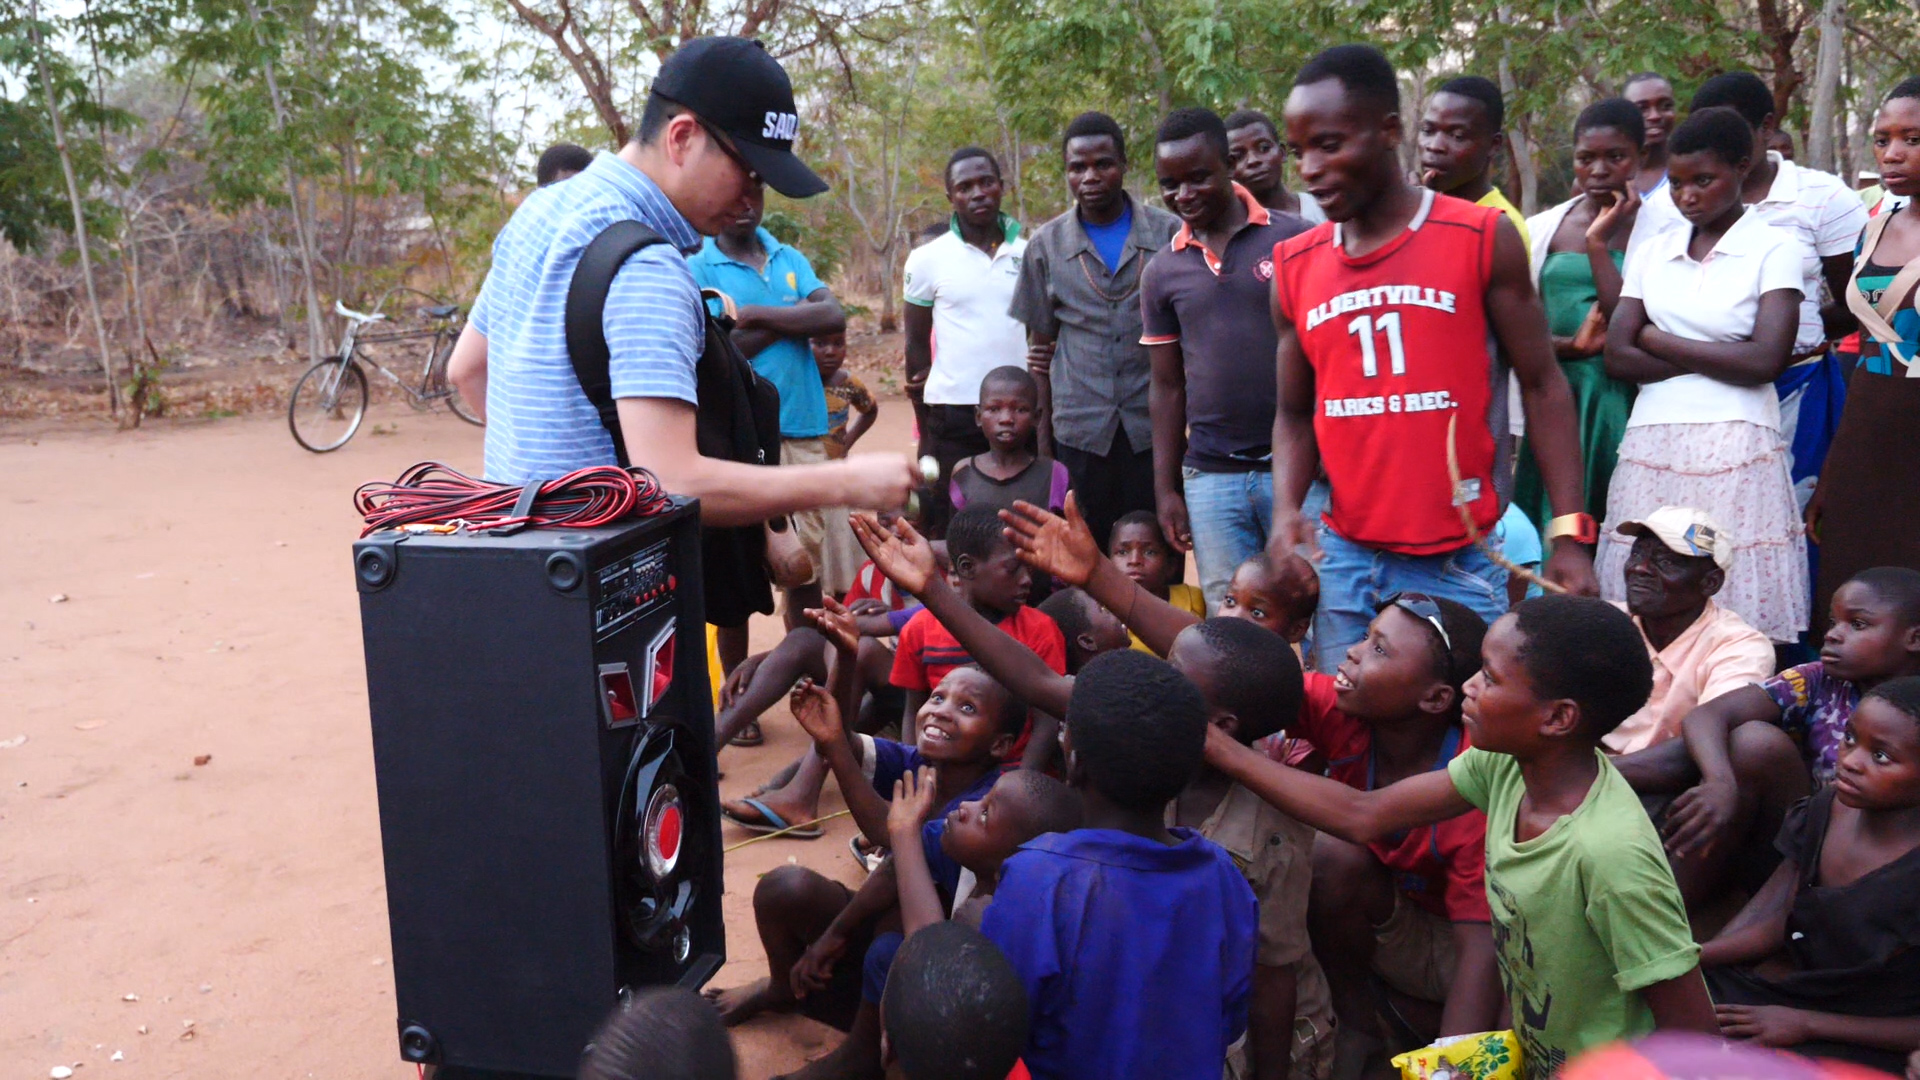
x=631, y=587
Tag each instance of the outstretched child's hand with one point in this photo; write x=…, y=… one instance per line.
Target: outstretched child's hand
x=817, y=712
x=837, y=623
x=903, y=554
x=1063, y=547
x=912, y=805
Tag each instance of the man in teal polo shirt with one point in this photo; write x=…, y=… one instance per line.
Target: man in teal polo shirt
x=781, y=304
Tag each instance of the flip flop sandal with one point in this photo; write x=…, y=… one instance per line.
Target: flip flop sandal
x=771, y=822
x=869, y=858
x=750, y=735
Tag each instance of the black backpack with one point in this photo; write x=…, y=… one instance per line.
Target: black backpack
x=737, y=419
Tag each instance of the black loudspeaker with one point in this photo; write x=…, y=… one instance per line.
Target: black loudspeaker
x=543, y=749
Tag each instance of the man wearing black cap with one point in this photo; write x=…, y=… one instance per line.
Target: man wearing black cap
x=720, y=121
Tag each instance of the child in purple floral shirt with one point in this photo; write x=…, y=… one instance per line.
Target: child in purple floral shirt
x=1875, y=637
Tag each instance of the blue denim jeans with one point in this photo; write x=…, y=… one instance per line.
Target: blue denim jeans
x=1230, y=515
x=1355, y=580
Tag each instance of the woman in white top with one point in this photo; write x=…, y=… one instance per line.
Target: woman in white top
x=1705, y=323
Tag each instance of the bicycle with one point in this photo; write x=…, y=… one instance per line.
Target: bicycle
x=330, y=400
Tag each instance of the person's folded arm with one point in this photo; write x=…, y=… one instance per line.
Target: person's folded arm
x=1625, y=359
x=660, y=437
x=1753, y=362
x=816, y=316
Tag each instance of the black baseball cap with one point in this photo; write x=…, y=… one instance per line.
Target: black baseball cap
x=733, y=84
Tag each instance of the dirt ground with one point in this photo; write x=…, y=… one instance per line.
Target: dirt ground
x=183, y=592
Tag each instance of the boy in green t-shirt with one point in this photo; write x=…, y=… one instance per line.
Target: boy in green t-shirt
x=1592, y=934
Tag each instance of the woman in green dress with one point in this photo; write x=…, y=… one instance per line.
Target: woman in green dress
x=1578, y=249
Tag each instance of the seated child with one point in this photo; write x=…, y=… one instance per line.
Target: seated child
x=667, y=1033
x=1135, y=942
x=1138, y=547
x=978, y=836
x=1825, y=960
x=994, y=582
x=1010, y=470
x=816, y=931
x=1250, y=682
x=1407, y=913
x=955, y=1009
x=1592, y=934
x=1700, y=651
x=1875, y=637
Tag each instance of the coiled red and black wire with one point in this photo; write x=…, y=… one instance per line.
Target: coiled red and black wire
x=431, y=493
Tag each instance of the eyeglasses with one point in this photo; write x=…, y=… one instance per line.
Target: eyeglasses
x=1422, y=607
x=726, y=147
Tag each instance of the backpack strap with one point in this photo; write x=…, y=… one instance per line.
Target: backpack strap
x=586, y=302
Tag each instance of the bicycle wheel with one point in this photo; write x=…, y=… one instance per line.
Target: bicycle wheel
x=327, y=406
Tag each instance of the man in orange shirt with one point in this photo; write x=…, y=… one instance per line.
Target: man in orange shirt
x=1700, y=651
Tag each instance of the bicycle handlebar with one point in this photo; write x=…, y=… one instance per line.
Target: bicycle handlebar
x=359, y=317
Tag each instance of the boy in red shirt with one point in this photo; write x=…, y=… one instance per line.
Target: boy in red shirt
x=1395, y=323
x=993, y=581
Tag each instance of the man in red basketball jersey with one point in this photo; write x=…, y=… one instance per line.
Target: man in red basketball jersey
x=1396, y=321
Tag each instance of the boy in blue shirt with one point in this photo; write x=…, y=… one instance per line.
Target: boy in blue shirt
x=1135, y=941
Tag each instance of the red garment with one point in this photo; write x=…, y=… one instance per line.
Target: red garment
x=1399, y=343
x=1440, y=867
x=1019, y=1072
x=870, y=584
x=927, y=652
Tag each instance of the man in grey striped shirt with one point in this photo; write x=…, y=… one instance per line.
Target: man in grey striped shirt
x=720, y=121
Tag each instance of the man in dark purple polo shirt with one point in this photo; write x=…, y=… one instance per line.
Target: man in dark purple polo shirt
x=1209, y=331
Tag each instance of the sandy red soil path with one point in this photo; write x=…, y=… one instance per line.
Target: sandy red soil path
x=209, y=610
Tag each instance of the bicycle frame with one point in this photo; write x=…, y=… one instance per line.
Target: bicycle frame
x=443, y=334
x=350, y=351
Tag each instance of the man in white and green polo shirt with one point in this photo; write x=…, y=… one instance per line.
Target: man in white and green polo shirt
x=958, y=287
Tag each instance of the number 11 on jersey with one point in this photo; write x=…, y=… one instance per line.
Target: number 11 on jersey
x=1389, y=324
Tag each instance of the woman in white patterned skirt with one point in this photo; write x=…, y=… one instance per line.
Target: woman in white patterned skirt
x=1706, y=321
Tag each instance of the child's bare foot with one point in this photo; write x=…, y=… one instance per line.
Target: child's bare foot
x=743, y=1003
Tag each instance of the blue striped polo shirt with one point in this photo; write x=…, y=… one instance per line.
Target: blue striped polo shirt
x=539, y=422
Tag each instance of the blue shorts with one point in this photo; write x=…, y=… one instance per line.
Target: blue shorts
x=1355, y=580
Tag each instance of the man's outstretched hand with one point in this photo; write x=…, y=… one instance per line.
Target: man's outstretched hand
x=1061, y=546
x=903, y=555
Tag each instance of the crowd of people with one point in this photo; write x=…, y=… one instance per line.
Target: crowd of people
x=1554, y=661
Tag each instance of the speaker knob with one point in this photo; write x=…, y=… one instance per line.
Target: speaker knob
x=374, y=565
x=564, y=571
x=418, y=1044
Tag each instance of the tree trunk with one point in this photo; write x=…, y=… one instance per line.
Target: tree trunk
x=1826, y=85
x=1520, y=139
x=73, y=198
x=303, y=234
